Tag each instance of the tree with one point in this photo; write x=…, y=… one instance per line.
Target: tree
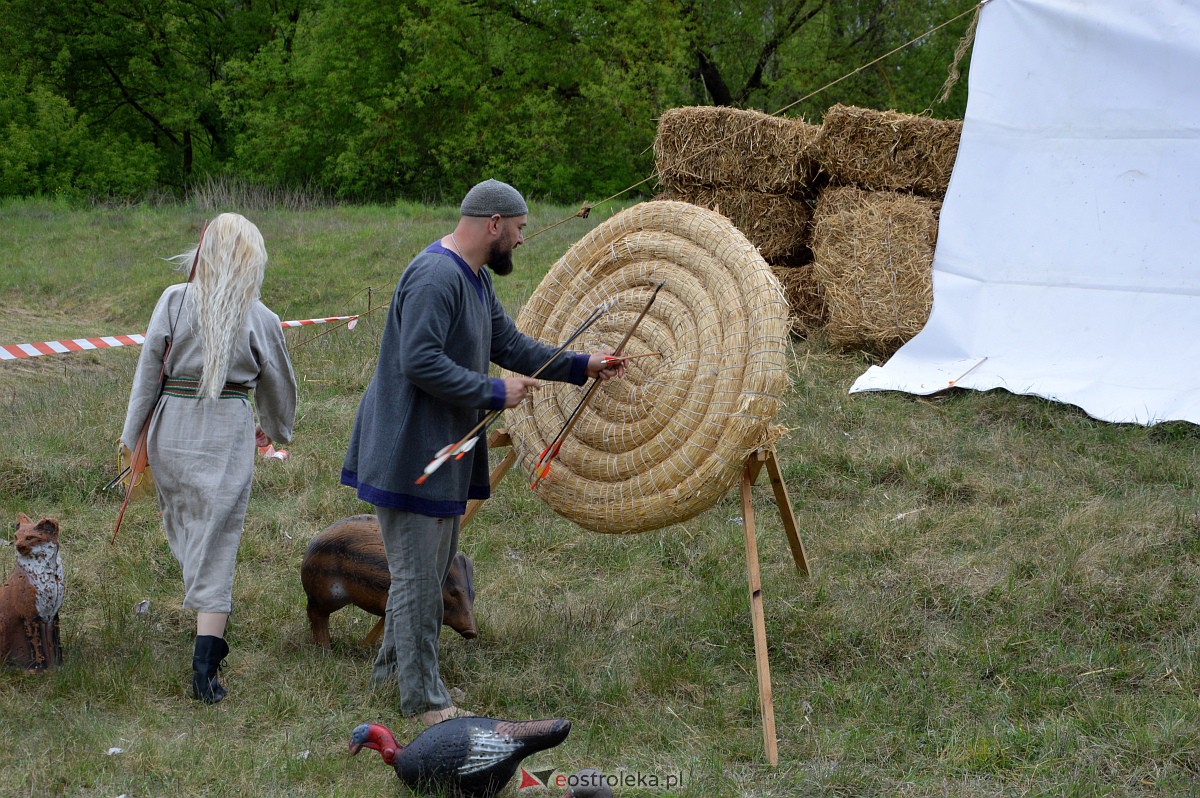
x=734, y=44
x=420, y=98
x=145, y=68
x=47, y=148
x=769, y=54
x=423, y=98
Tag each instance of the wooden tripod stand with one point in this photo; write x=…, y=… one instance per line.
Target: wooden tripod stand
x=754, y=464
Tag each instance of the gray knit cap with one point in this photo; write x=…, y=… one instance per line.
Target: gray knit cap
x=492, y=197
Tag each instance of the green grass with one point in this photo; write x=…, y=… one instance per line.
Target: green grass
x=1005, y=598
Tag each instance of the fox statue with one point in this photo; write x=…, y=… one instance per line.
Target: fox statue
x=31, y=598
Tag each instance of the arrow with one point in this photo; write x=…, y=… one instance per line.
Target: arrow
x=542, y=467
x=468, y=441
x=613, y=360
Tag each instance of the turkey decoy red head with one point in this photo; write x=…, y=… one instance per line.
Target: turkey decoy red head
x=465, y=757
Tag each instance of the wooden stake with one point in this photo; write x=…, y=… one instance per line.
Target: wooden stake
x=757, y=616
x=785, y=513
x=754, y=465
x=496, y=439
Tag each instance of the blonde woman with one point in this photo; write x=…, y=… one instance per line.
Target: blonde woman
x=221, y=346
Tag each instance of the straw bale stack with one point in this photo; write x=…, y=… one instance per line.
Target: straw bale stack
x=887, y=150
x=805, y=298
x=762, y=172
x=728, y=147
x=666, y=442
x=776, y=223
x=873, y=257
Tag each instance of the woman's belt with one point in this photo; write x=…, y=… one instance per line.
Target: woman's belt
x=189, y=388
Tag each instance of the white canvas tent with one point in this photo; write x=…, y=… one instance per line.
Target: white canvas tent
x=1068, y=256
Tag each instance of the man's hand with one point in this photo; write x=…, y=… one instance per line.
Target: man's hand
x=516, y=389
x=261, y=440
x=601, y=367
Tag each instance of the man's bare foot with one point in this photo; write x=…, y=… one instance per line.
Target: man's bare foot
x=438, y=715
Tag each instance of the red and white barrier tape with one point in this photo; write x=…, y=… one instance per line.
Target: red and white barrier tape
x=19, y=351
x=305, y=322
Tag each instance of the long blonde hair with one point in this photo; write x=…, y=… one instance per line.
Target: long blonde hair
x=229, y=275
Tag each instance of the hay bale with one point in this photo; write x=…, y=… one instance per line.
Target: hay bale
x=887, y=150
x=873, y=257
x=669, y=440
x=806, y=301
x=727, y=147
x=775, y=223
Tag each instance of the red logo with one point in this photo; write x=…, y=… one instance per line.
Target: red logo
x=534, y=779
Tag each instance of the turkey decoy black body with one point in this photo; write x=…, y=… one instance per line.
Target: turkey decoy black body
x=462, y=757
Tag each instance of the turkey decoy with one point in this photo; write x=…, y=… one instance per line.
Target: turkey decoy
x=462, y=757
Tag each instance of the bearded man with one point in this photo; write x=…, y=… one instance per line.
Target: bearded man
x=431, y=386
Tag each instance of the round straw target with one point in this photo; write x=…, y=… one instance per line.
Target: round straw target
x=666, y=442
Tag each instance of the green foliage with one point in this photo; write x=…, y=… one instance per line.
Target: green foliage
x=47, y=149
x=138, y=68
x=419, y=99
x=829, y=55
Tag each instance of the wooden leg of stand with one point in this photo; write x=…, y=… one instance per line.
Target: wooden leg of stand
x=786, y=514
x=758, y=620
x=496, y=440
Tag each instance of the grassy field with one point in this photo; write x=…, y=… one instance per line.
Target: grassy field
x=1005, y=598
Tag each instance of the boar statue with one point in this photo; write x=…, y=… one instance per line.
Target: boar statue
x=345, y=563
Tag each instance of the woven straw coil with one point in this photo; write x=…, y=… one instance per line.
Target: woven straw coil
x=666, y=442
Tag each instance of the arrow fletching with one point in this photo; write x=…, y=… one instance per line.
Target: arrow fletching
x=434, y=465
x=467, y=446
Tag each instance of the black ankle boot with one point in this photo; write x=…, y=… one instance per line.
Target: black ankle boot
x=206, y=661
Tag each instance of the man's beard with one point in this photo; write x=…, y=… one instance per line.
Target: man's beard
x=499, y=259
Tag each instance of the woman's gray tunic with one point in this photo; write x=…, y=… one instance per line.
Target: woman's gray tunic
x=202, y=450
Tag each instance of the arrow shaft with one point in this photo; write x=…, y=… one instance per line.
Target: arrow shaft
x=569, y=424
x=457, y=448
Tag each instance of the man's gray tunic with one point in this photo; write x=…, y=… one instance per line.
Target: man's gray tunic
x=431, y=386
